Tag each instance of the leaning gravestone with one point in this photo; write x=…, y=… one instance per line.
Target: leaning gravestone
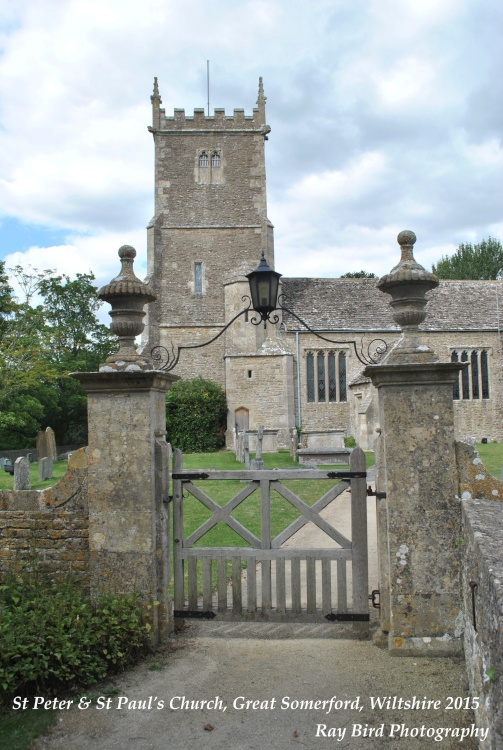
x=3, y=461
x=22, y=473
x=50, y=441
x=257, y=462
x=44, y=469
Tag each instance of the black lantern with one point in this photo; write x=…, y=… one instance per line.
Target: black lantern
x=264, y=284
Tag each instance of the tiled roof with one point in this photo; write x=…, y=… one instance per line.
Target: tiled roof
x=356, y=304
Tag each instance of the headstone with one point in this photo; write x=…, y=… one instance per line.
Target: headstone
x=260, y=437
x=3, y=461
x=50, y=441
x=240, y=448
x=41, y=445
x=246, y=450
x=44, y=469
x=22, y=473
x=257, y=463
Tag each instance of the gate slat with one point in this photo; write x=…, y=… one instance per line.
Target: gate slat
x=280, y=586
x=326, y=586
x=237, y=601
x=266, y=586
x=311, y=584
x=251, y=584
x=222, y=584
x=207, y=584
x=192, y=583
x=342, y=589
x=296, y=599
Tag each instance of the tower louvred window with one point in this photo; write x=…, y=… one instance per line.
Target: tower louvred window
x=203, y=159
x=215, y=159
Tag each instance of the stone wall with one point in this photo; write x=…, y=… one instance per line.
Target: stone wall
x=483, y=612
x=49, y=527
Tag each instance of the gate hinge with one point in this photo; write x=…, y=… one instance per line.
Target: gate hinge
x=347, y=617
x=346, y=474
x=184, y=614
x=376, y=594
x=373, y=493
x=188, y=477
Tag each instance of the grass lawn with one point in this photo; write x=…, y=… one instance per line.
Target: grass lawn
x=18, y=729
x=58, y=470
x=492, y=457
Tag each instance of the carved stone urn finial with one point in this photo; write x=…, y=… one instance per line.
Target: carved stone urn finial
x=128, y=296
x=407, y=284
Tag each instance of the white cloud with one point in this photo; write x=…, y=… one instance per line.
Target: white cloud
x=382, y=111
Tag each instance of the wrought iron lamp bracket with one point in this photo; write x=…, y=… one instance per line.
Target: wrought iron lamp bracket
x=168, y=359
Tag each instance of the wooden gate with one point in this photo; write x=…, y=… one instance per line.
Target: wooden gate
x=269, y=579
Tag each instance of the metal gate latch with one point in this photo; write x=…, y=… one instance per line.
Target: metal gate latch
x=376, y=594
x=373, y=493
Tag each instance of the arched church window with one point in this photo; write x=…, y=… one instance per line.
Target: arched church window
x=215, y=159
x=203, y=159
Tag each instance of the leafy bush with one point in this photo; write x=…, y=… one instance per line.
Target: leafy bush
x=349, y=442
x=196, y=414
x=52, y=637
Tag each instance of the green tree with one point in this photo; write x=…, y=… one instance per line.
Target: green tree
x=40, y=345
x=359, y=275
x=482, y=261
x=196, y=415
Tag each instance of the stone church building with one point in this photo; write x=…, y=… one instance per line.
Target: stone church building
x=210, y=228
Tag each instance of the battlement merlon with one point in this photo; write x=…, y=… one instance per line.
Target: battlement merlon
x=200, y=122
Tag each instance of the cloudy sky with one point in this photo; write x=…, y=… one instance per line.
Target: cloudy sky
x=385, y=115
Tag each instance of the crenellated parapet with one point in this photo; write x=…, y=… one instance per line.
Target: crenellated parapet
x=201, y=122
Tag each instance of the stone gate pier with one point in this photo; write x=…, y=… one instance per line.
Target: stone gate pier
x=129, y=542
x=419, y=513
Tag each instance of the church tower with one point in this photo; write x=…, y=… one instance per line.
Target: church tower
x=209, y=228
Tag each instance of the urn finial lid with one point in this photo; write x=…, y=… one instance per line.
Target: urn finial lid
x=126, y=283
x=408, y=270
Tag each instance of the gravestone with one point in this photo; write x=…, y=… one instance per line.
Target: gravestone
x=257, y=462
x=3, y=461
x=22, y=473
x=44, y=469
x=41, y=445
x=50, y=442
x=239, y=447
x=246, y=450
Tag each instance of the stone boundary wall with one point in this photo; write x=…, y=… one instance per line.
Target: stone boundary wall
x=51, y=526
x=13, y=454
x=482, y=531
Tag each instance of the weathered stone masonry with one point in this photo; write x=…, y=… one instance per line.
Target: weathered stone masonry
x=49, y=528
